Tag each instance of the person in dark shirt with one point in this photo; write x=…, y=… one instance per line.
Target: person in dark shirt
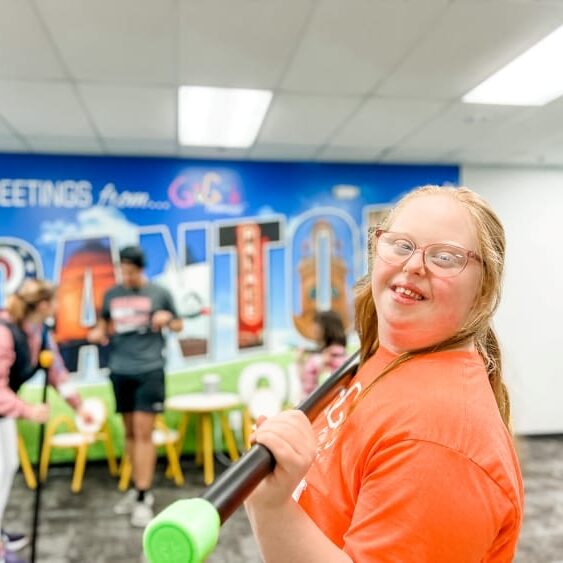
x=134, y=315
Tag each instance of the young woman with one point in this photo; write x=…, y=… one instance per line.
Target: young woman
x=22, y=336
x=415, y=461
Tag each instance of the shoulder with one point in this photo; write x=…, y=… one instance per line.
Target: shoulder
x=435, y=397
x=6, y=332
x=114, y=291
x=160, y=294
x=157, y=289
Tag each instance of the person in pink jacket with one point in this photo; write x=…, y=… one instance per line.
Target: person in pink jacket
x=23, y=336
x=330, y=354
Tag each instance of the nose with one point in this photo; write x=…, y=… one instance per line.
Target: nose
x=415, y=263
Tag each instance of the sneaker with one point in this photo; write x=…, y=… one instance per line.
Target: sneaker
x=13, y=541
x=142, y=512
x=127, y=503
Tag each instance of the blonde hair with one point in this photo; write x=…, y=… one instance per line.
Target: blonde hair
x=491, y=249
x=29, y=295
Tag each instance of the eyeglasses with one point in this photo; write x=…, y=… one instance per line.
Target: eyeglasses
x=443, y=260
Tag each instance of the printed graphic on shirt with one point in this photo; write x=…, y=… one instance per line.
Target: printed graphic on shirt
x=334, y=417
x=131, y=313
x=299, y=490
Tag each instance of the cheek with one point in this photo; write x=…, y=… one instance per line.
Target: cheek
x=380, y=274
x=455, y=300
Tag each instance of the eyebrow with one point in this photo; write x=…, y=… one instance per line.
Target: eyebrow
x=413, y=239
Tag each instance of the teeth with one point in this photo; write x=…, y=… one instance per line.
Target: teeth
x=408, y=292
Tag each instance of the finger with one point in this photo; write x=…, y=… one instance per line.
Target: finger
x=287, y=438
x=260, y=420
x=289, y=460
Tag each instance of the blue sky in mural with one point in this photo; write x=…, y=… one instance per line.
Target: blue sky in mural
x=47, y=199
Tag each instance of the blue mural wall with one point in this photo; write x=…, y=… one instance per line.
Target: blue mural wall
x=249, y=250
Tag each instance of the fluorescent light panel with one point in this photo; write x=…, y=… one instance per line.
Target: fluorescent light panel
x=220, y=117
x=532, y=79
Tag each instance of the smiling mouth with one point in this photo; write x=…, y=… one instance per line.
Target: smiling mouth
x=407, y=292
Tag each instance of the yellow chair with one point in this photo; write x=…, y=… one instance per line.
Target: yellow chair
x=162, y=436
x=28, y=474
x=79, y=436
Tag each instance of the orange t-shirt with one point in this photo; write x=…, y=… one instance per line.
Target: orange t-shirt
x=423, y=469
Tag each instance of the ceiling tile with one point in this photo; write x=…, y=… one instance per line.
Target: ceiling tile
x=470, y=42
x=304, y=120
x=43, y=109
x=528, y=131
x=145, y=147
x=351, y=45
x=332, y=153
x=458, y=125
x=380, y=123
x=132, y=112
x=65, y=145
x=280, y=151
x=212, y=153
x=25, y=48
x=415, y=156
x=243, y=43
x=12, y=144
x=125, y=41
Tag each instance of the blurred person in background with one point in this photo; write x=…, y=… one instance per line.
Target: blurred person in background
x=24, y=335
x=134, y=315
x=329, y=355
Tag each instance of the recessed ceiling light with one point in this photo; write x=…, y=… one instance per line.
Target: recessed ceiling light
x=220, y=117
x=532, y=79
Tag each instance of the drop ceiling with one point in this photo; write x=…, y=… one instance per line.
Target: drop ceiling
x=353, y=80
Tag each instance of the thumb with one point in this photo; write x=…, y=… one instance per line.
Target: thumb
x=260, y=420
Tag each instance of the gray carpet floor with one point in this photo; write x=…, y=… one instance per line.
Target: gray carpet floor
x=82, y=527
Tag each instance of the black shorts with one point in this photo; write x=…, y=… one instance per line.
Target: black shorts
x=142, y=392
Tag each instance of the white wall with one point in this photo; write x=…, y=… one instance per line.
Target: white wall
x=530, y=318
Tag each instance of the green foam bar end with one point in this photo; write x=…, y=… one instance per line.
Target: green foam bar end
x=185, y=532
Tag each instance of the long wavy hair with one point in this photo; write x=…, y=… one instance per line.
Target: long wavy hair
x=478, y=326
x=29, y=295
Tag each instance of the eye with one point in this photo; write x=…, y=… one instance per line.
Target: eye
x=446, y=257
x=402, y=247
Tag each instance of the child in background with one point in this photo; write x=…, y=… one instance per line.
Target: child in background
x=331, y=352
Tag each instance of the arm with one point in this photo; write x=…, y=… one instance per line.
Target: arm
x=59, y=377
x=284, y=532
x=10, y=404
x=99, y=334
x=166, y=316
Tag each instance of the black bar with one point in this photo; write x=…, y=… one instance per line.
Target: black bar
x=37, y=504
x=228, y=492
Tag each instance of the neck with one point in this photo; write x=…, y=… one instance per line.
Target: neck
x=400, y=345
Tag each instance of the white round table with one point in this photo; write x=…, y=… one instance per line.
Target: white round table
x=204, y=405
